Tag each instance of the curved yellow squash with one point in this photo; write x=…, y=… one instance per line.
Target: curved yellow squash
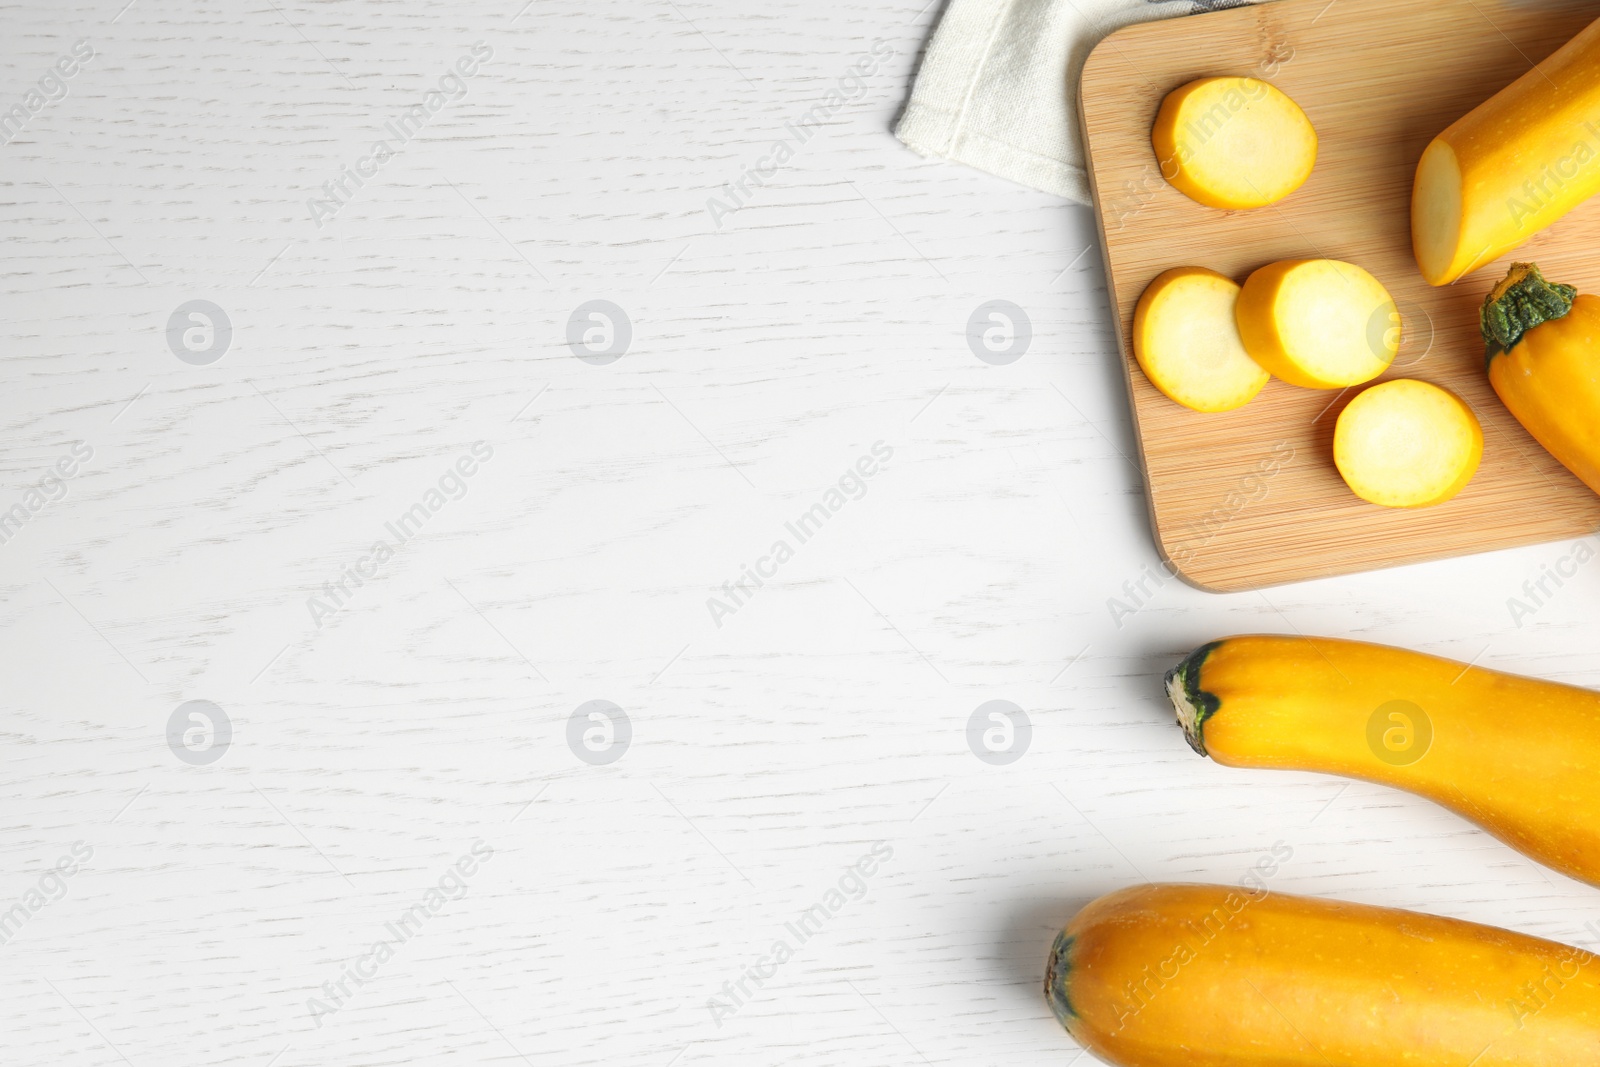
x=1518, y=756
x=1217, y=976
x=1544, y=360
x=1512, y=166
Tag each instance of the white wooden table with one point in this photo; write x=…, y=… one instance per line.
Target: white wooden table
x=307, y=892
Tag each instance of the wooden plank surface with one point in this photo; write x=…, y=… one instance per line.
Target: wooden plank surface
x=1251, y=497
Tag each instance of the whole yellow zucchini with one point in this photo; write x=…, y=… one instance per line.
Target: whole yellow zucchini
x=1517, y=756
x=1512, y=166
x=1544, y=361
x=1216, y=976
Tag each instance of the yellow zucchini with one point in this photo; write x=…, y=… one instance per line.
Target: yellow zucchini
x=1544, y=362
x=1233, y=142
x=1407, y=444
x=1186, y=338
x=1512, y=166
x=1315, y=323
x=1517, y=756
x=1218, y=976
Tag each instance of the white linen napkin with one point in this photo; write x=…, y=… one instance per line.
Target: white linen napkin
x=998, y=88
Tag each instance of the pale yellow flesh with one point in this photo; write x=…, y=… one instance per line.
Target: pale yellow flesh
x=1512, y=166
x=1186, y=338
x=1318, y=323
x=1233, y=143
x=1407, y=444
x=1436, y=216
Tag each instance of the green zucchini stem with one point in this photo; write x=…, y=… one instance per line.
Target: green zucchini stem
x=1521, y=301
x=1055, y=979
x=1192, y=704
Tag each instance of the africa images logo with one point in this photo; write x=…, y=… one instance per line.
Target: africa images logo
x=852, y=485
x=52, y=87
x=852, y=885
x=452, y=87
x=850, y=87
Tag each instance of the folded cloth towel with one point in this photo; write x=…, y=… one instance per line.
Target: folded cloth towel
x=998, y=89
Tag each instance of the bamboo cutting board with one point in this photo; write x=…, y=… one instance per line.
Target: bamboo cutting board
x=1251, y=497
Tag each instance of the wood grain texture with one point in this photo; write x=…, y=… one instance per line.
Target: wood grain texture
x=1002, y=553
x=1378, y=80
